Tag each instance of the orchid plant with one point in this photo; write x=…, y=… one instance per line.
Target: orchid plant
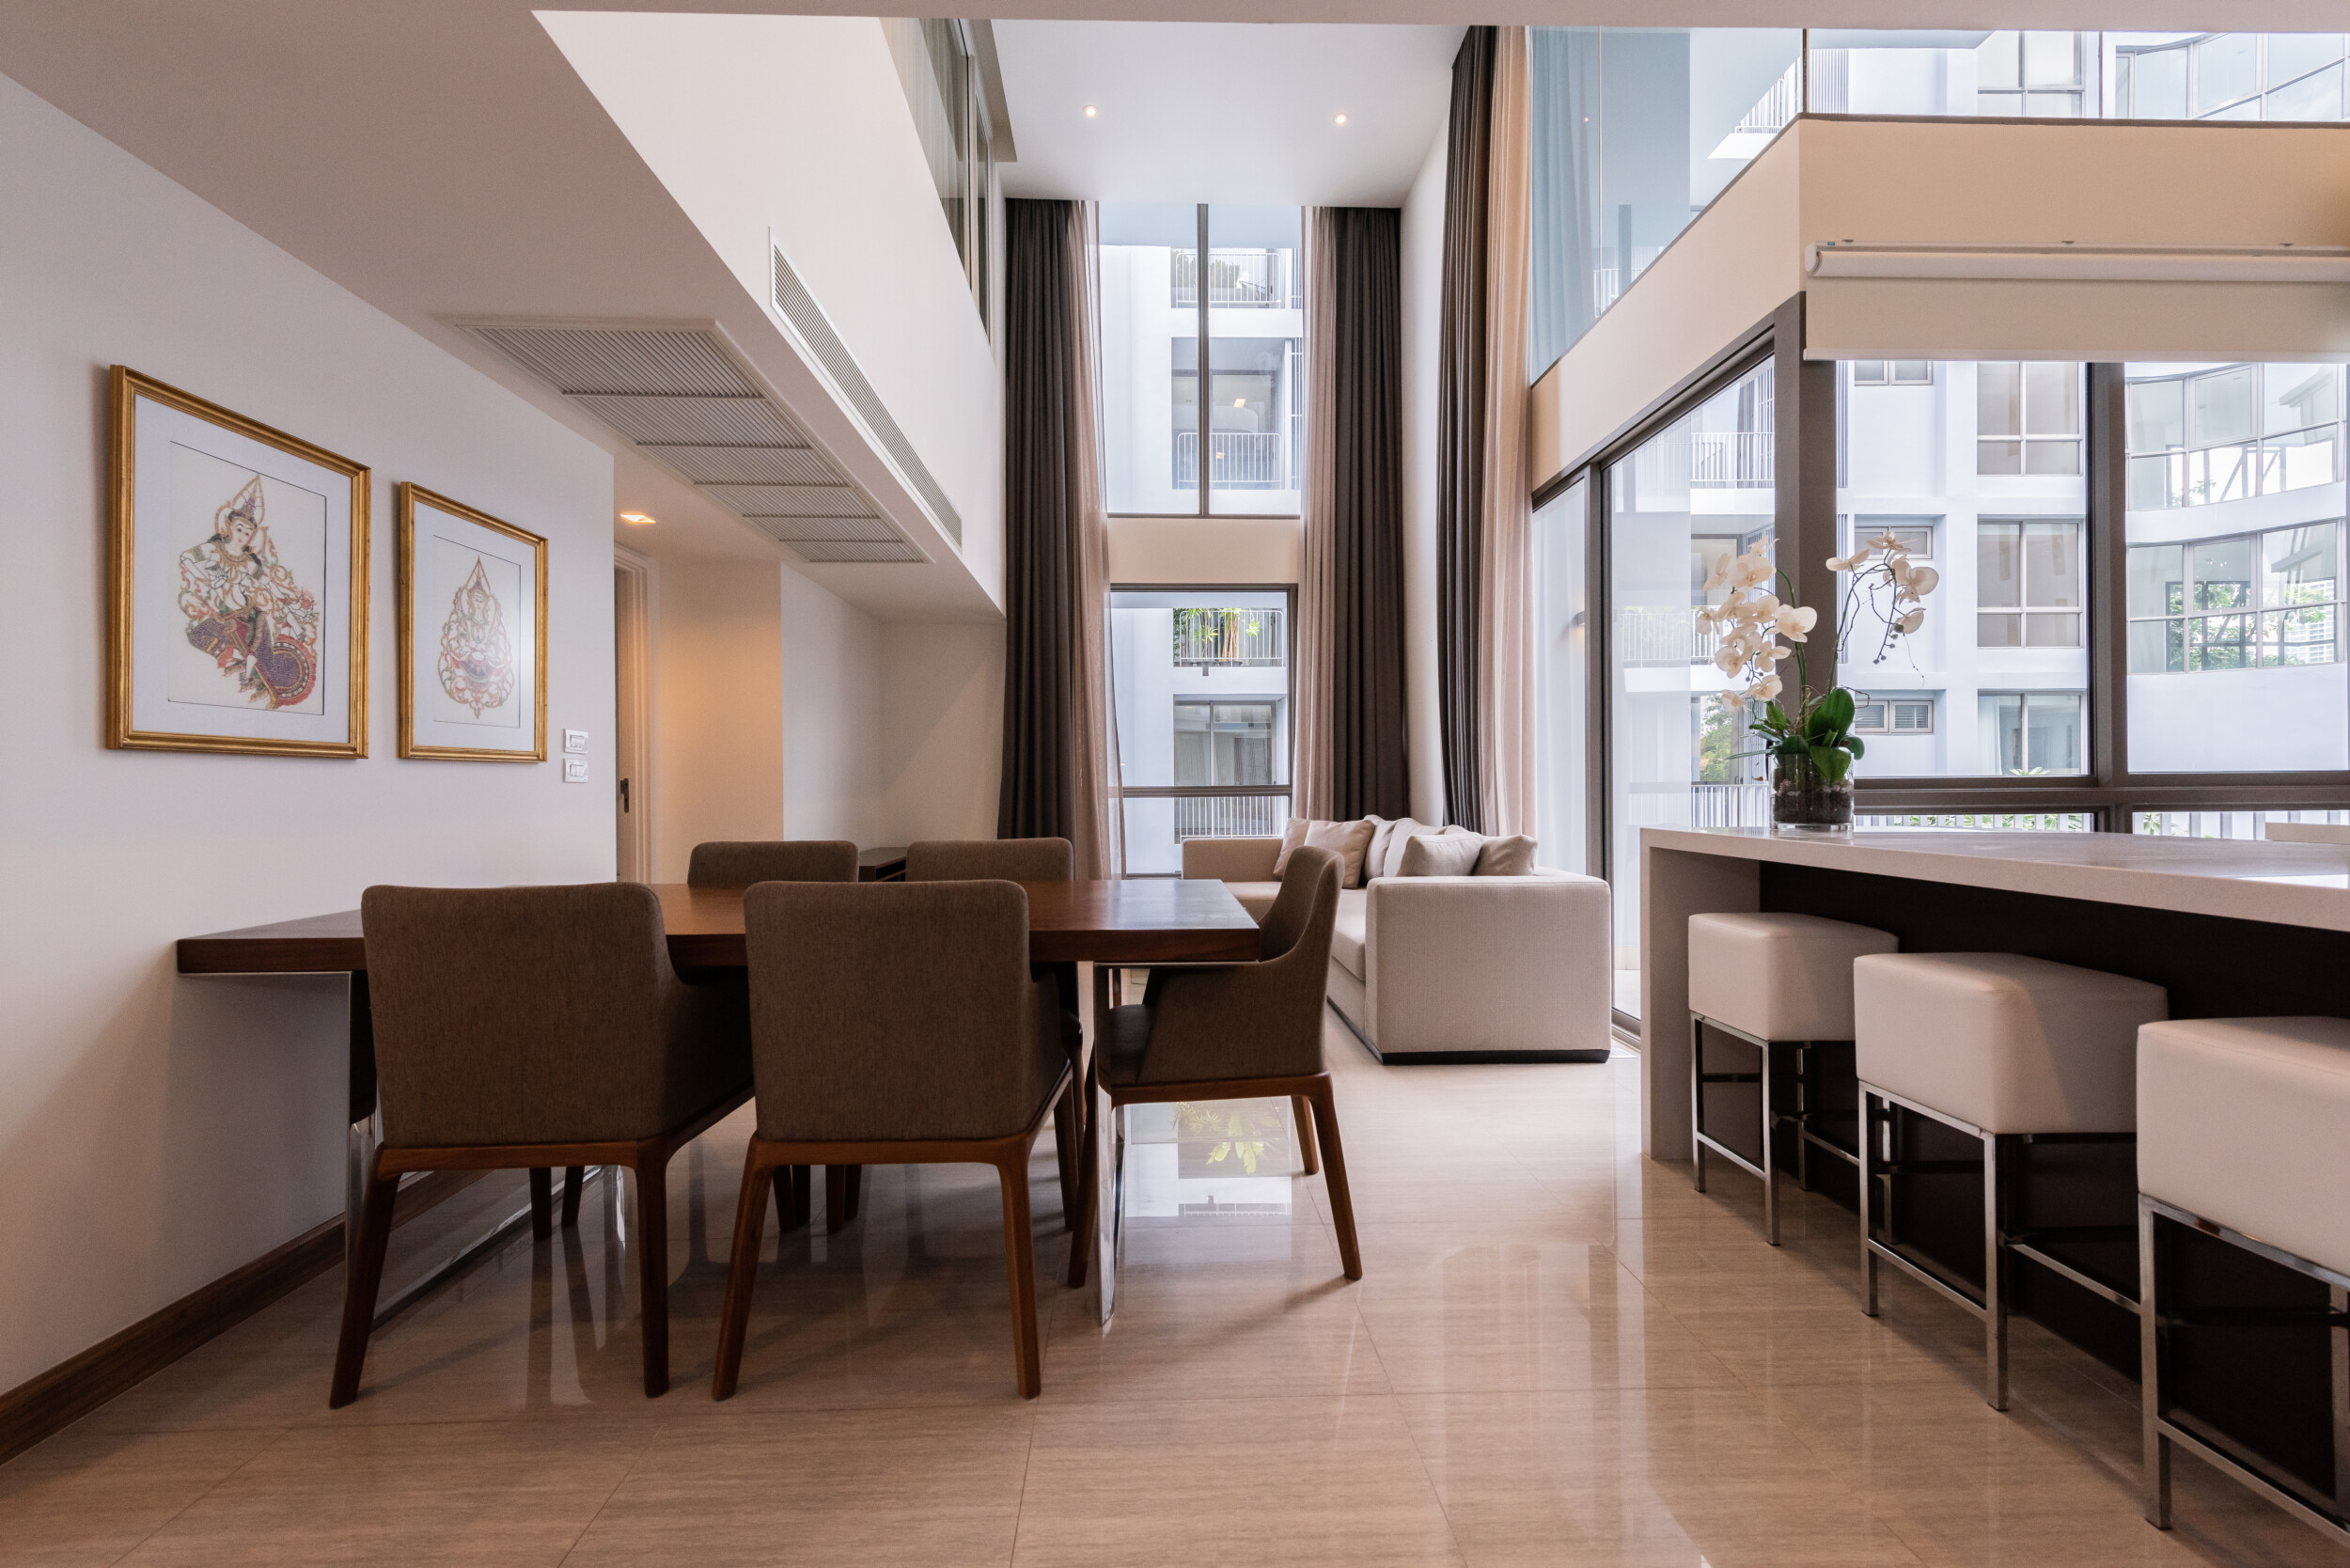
x=1801, y=725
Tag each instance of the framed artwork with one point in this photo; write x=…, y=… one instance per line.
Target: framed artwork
x=237, y=583
x=473, y=633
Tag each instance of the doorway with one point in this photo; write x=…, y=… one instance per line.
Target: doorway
x=632, y=585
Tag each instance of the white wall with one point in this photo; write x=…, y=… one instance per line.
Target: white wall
x=942, y=729
x=1424, y=297
x=717, y=708
x=832, y=698
x=156, y=1132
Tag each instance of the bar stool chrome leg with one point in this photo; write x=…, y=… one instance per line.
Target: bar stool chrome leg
x=1700, y=1140
x=1994, y=1289
x=1867, y=1143
x=1697, y=1096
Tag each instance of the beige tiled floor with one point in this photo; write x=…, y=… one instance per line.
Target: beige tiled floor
x=1559, y=1355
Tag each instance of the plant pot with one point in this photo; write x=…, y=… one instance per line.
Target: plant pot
x=1803, y=798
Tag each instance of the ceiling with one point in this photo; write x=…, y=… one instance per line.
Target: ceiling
x=1223, y=111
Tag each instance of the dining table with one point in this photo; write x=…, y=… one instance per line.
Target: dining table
x=1105, y=926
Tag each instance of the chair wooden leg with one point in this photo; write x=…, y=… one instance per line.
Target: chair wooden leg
x=360, y=1287
x=1334, y=1166
x=857, y=1190
x=843, y=1185
x=785, y=1181
x=803, y=1196
x=1065, y=1151
x=1305, y=1134
x=1089, y=1179
x=750, y=1219
x=574, y=1181
x=1020, y=1263
x=542, y=1203
x=653, y=1264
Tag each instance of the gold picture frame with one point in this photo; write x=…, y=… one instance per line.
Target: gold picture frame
x=467, y=703
x=224, y=630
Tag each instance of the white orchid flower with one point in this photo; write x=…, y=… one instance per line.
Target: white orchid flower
x=1839, y=563
x=1884, y=541
x=1774, y=653
x=1911, y=621
x=1765, y=605
x=1752, y=569
x=1794, y=621
x=1720, y=574
x=1920, y=581
x=1729, y=661
x=1766, y=688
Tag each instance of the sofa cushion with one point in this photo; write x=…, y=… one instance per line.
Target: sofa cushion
x=1348, y=842
x=1510, y=857
x=1293, y=834
x=1442, y=855
x=1391, y=863
x=1255, y=896
x=1346, y=936
x=1382, y=829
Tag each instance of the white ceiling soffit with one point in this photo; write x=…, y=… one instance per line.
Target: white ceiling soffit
x=1224, y=111
x=687, y=400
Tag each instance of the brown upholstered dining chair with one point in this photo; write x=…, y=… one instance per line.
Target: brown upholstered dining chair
x=529, y=1027
x=740, y=862
x=1012, y=861
x=1242, y=1031
x=971, y=859
x=855, y=1065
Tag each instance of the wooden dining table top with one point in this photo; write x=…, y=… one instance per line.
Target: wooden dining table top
x=1141, y=921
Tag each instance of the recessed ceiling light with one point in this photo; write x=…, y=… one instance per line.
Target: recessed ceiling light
x=1341, y=119
x=1090, y=111
x=637, y=519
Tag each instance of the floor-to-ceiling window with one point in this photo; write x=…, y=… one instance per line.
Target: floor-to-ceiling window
x=1201, y=682
x=1174, y=276
x=1701, y=488
x=1562, y=677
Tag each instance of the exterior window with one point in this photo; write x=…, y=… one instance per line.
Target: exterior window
x=2031, y=73
x=2224, y=432
x=2027, y=418
x=2032, y=732
x=2255, y=601
x=1224, y=742
x=1916, y=538
x=2028, y=584
x=1892, y=372
x=2230, y=76
x=940, y=75
x=1894, y=716
x=1161, y=407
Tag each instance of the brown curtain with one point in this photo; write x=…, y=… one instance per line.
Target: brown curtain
x=1506, y=588
x=1461, y=391
x=1351, y=697
x=1055, y=773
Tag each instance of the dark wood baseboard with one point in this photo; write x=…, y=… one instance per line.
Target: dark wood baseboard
x=57, y=1398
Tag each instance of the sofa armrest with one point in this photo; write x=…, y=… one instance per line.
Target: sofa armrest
x=1488, y=963
x=1231, y=859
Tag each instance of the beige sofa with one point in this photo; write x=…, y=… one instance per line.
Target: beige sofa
x=1452, y=968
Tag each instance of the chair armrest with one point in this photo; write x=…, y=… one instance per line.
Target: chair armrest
x=1231, y=859
x=1488, y=963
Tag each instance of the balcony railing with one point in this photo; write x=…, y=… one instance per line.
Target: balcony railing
x=1230, y=816
x=1206, y=638
x=1241, y=460
x=1730, y=459
x=1240, y=280
x=1730, y=806
x=1652, y=634
x=2212, y=474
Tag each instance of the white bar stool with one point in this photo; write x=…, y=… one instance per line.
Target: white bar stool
x=2008, y=1050
x=1771, y=980
x=2240, y=1134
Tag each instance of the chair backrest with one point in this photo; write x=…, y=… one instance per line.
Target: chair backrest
x=740, y=862
x=518, y=1014
x=1260, y=1020
x=976, y=859
x=897, y=1011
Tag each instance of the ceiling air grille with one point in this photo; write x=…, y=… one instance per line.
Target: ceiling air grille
x=682, y=398
x=799, y=307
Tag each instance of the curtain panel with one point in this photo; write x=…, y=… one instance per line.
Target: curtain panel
x=1352, y=760
x=1505, y=736
x=1461, y=393
x=1056, y=746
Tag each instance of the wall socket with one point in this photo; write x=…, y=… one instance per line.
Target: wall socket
x=575, y=743
x=574, y=770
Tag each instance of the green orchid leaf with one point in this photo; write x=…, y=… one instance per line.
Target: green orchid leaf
x=1851, y=744
x=1832, y=761
x=1832, y=717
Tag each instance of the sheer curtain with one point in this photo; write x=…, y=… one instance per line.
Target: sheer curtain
x=1506, y=601
x=1563, y=112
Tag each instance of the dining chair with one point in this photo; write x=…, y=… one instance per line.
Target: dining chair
x=854, y=1065
x=1012, y=861
x=530, y=1027
x=1240, y=1031
x=740, y=862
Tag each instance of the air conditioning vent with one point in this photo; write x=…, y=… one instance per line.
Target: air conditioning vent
x=681, y=395
x=807, y=319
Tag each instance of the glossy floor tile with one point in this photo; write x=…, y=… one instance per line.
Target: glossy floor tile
x=1560, y=1354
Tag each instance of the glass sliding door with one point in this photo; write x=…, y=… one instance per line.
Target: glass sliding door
x=1563, y=682
x=1703, y=487
x=1200, y=680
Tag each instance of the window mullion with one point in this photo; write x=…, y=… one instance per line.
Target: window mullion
x=1207, y=360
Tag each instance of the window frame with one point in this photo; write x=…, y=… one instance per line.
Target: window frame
x=1120, y=792
x=1203, y=367
x=2024, y=606
x=2259, y=610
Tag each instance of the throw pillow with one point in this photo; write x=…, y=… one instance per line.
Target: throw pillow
x=1292, y=836
x=1511, y=856
x=1348, y=842
x=1400, y=833
x=1383, y=831
x=1442, y=855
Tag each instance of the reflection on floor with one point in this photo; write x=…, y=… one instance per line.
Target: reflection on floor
x=1559, y=1355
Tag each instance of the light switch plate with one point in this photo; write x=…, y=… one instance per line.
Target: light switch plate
x=575, y=743
x=574, y=770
